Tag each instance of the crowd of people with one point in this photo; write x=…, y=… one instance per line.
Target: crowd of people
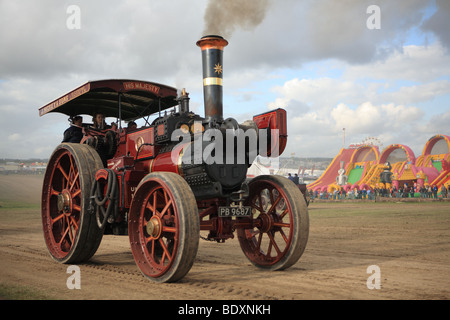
x=404, y=191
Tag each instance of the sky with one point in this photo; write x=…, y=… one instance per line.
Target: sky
x=380, y=72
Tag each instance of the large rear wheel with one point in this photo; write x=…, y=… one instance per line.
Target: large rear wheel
x=70, y=231
x=281, y=223
x=164, y=227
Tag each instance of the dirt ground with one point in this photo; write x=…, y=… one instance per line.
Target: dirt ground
x=409, y=242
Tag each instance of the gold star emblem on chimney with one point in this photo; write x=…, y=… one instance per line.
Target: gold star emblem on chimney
x=218, y=68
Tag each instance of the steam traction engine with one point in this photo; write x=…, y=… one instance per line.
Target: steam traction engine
x=158, y=183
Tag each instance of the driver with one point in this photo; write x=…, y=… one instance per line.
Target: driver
x=99, y=121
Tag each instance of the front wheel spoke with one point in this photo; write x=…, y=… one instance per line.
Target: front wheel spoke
x=69, y=227
x=273, y=243
x=76, y=207
x=76, y=193
x=251, y=233
x=166, y=198
x=168, y=204
x=261, y=205
x=64, y=173
x=147, y=240
x=166, y=251
x=274, y=205
x=283, y=235
x=169, y=229
x=72, y=168
x=155, y=201
x=152, y=246
x=269, y=248
x=65, y=233
x=258, y=244
x=149, y=206
x=59, y=217
x=281, y=224
x=152, y=205
x=254, y=206
x=74, y=223
x=54, y=192
x=271, y=195
x=284, y=213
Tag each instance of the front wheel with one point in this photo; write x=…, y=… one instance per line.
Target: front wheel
x=164, y=227
x=281, y=223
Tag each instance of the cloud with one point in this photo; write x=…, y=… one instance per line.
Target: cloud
x=296, y=32
x=412, y=62
x=438, y=23
x=383, y=99
x=116, y=38
x=369, y=119
x=321, y=134
x=321, y=93
x=417, y=93
x=438, y=123
x=14, y=137
x=20, y=121
x=418, y=74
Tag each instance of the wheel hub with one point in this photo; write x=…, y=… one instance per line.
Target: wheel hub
x=64, y=202
x=266, y=222
x=153, y=227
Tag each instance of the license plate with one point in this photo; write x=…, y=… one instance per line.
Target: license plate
x=235, y=211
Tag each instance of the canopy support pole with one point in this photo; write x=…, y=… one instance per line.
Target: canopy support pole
x=120, y=112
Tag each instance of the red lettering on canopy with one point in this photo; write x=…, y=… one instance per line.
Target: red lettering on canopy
x=135, y=85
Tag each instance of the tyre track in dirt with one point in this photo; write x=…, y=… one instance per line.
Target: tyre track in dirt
x=222, y=272
x=122, y=271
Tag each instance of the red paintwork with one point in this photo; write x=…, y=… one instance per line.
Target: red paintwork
x=136, y=138
x=164, y=161
x=275, y=119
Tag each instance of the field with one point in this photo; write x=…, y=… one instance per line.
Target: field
x=409, y=242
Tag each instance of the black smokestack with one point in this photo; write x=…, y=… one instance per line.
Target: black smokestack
x=212, y=59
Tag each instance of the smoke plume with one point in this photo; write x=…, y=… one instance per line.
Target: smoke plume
x=224, y=17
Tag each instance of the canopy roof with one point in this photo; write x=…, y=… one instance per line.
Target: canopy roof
x=137, y=99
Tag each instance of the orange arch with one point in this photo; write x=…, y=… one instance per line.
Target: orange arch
x=432, y=141
x=362, y=149
x=411, y=158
